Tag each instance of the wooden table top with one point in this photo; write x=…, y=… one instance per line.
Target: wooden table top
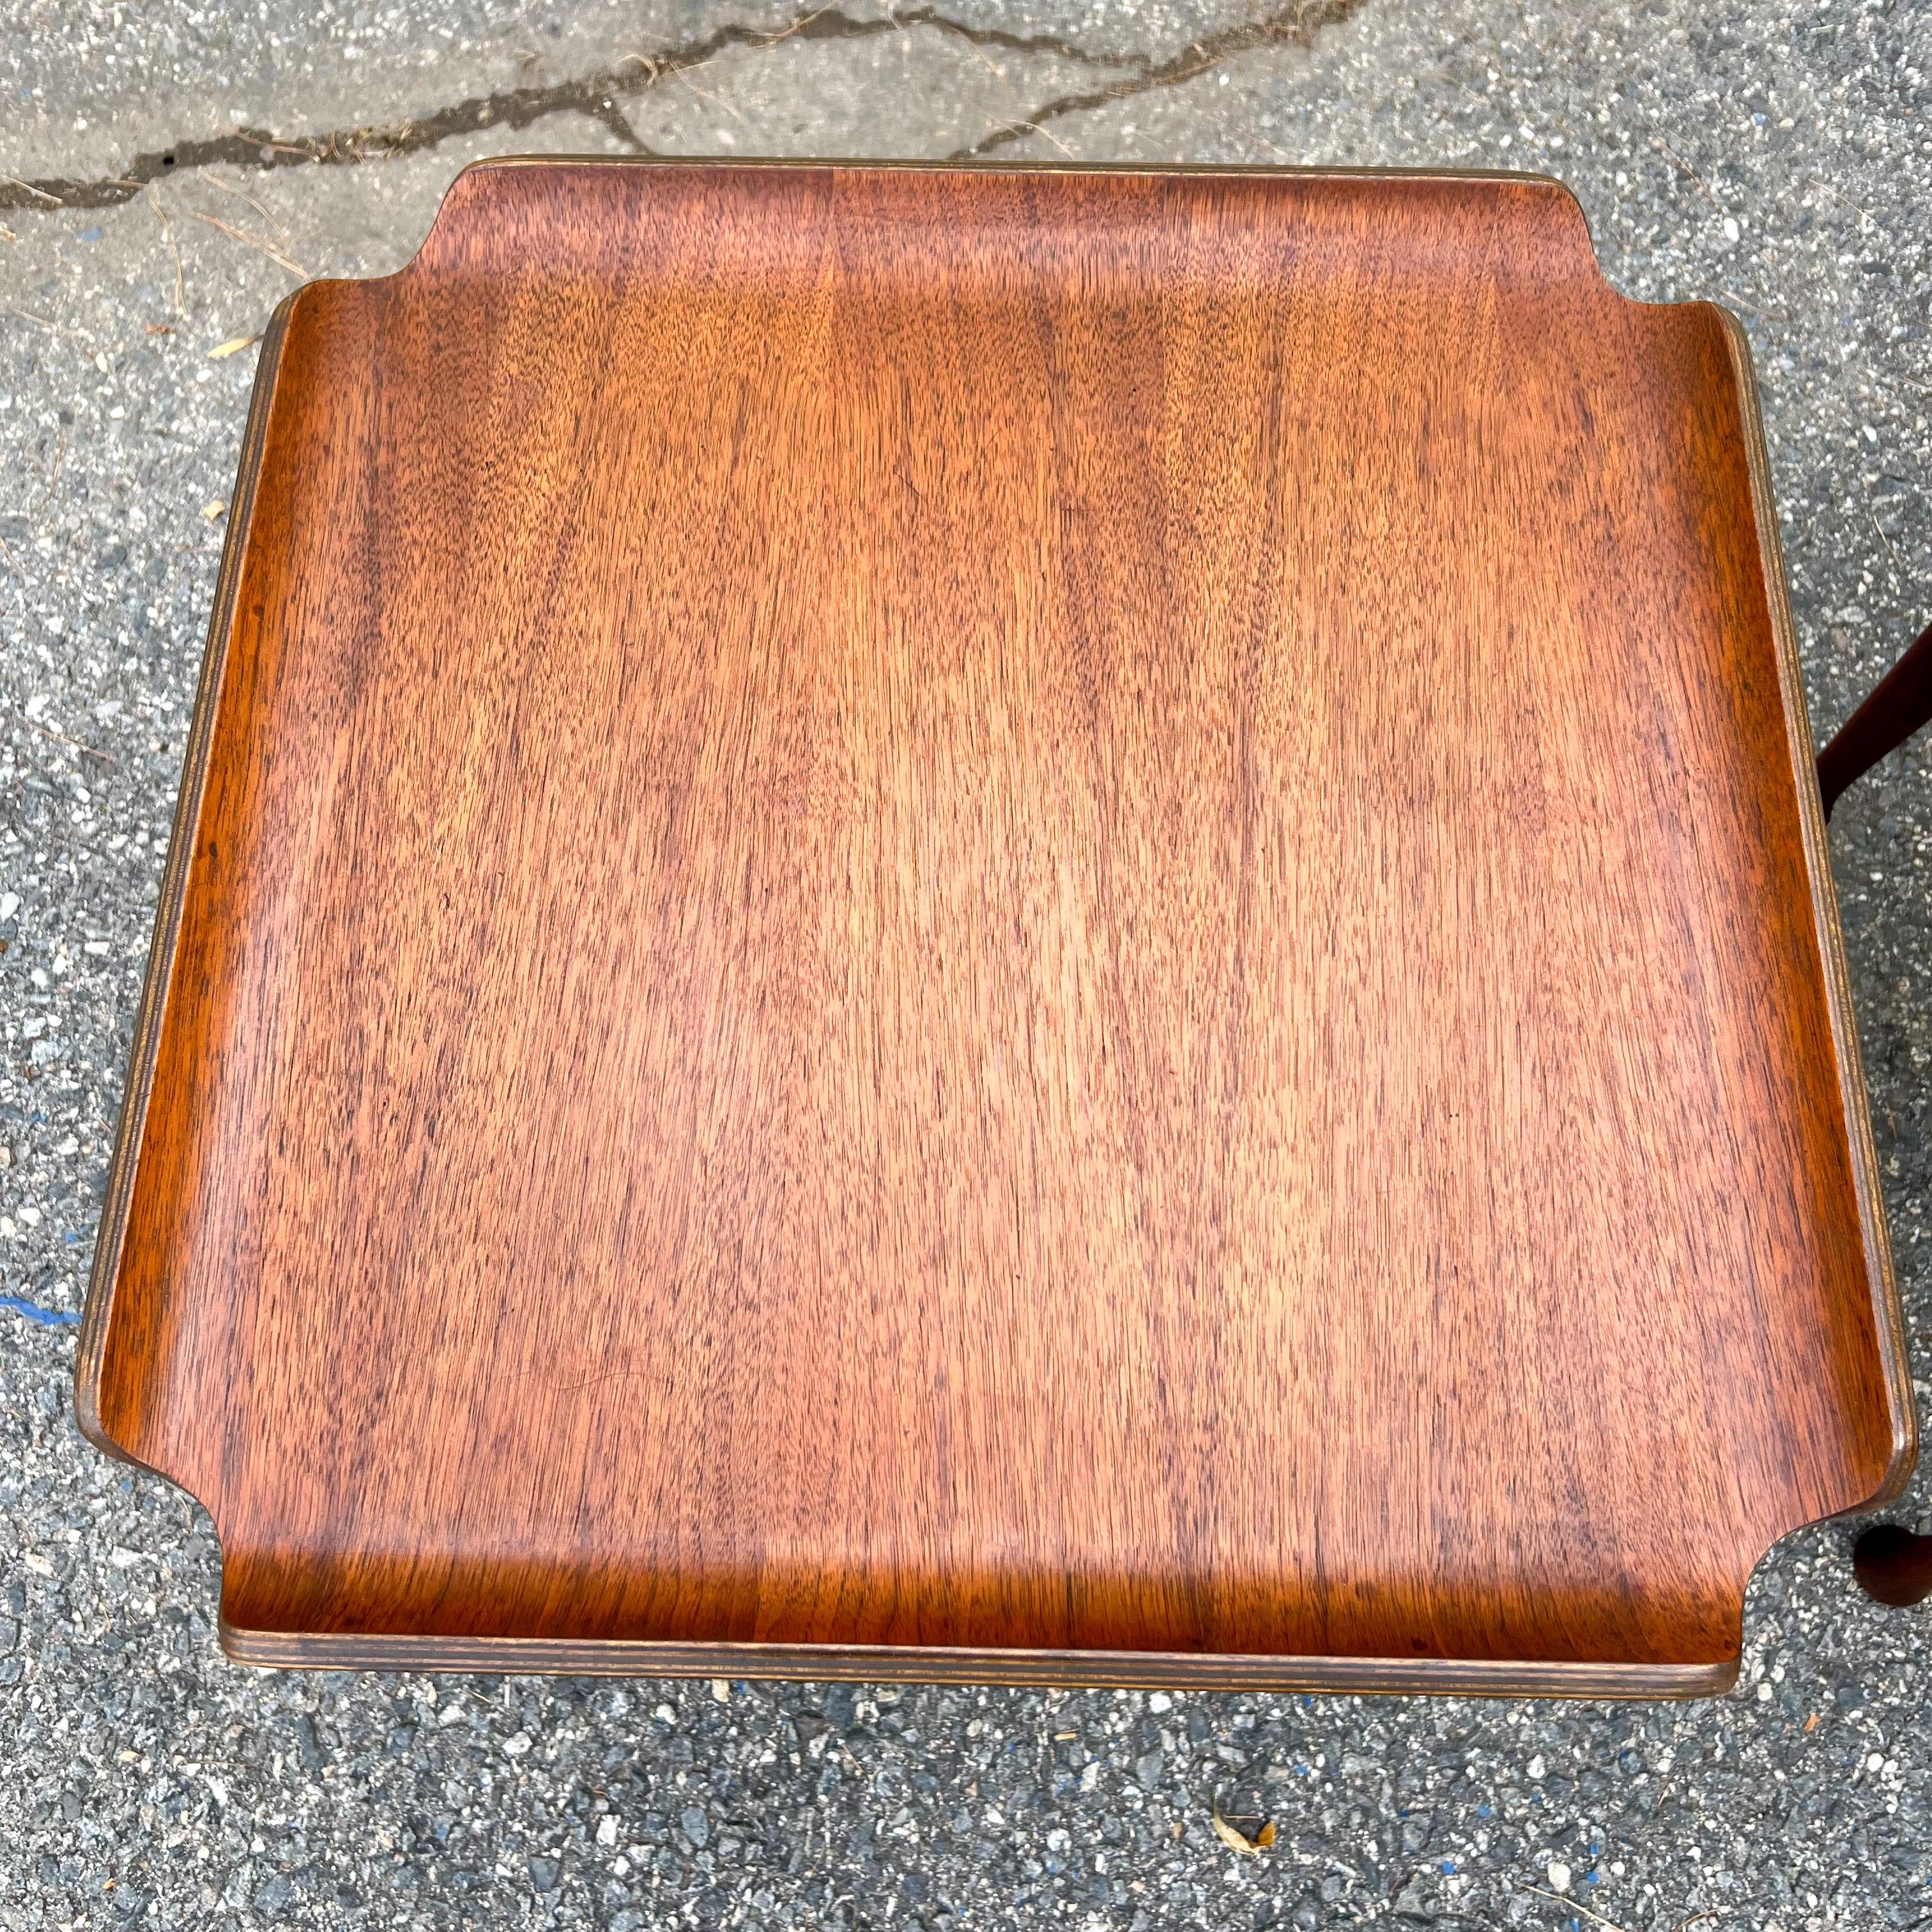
x=1003, y=924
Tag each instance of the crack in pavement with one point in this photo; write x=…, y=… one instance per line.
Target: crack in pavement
x=1293, y=26
x=596, y=96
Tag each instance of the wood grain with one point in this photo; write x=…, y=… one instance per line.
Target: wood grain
x=1014, y=923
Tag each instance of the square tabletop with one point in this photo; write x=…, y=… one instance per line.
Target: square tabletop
x=1004, y=924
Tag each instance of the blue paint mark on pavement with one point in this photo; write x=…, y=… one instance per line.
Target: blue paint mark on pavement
x=41, y=1317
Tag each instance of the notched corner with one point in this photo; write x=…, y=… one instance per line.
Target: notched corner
x=87, y=1419
x=294, y=307
x=1904, y=1454
x=254, y=1650
x=1902, y=1460
x=97, y=1310
x=1567, y=219
x=1720, y=1680
x=1576, y=217
x=440, y=238
x=87, y=1411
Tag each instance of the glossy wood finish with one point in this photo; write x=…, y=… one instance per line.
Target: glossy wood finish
x=1030, y=924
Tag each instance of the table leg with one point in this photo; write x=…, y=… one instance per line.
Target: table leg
x=1901, y=703
x=1894, y=1565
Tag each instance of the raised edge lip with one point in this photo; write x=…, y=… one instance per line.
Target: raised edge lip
x=1521, y=177
x=104, y=1278
x=1888, y=1310
x=861, y=164
x=836, y=164
x=1339, y=1676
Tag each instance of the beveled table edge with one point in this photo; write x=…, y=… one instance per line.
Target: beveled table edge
x=1888, y=1310
x=112, y=1235
x=914, y=1663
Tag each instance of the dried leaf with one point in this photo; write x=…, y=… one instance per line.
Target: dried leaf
x=1236, y=1840
x=233, y=347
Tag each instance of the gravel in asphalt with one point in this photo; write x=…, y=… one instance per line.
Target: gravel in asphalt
x=1778, y=159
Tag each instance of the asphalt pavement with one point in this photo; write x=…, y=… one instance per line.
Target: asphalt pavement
x=168, y=173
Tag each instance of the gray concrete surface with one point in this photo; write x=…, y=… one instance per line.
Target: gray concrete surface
x=1777, y=158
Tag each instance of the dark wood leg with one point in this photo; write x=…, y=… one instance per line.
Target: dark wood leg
x=1901, y=703
x=1894, y=1565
